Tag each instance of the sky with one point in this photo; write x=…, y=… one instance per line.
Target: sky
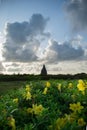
x=37, y=32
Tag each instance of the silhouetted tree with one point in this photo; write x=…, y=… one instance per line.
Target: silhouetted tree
x=43, y=70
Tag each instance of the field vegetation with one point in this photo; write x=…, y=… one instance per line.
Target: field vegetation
x=43, y=105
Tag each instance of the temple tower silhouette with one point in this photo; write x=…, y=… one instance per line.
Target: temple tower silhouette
x=43, y=70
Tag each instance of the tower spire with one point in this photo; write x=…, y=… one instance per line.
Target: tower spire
x=43, y=70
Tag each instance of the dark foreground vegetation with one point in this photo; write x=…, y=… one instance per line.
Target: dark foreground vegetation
x=25, y=77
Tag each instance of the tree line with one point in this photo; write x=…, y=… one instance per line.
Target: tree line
x=29, y=77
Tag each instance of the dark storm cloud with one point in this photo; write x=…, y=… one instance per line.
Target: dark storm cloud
x=77, y=12
x=59, y=52
x=22, y=41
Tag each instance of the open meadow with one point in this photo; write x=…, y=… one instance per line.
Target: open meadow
x=11, y=85
x=43, y=105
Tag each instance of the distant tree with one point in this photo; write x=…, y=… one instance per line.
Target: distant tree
x=43, y=70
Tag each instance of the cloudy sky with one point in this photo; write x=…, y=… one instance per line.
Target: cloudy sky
x=37, y=32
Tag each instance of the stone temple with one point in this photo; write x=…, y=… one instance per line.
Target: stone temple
x=43, y=70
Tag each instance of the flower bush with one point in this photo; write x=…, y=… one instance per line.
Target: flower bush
x=45, y=105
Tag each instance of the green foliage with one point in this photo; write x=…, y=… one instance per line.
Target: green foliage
x=44, y=111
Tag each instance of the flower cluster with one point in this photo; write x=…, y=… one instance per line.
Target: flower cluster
x=60, y=123
x=70, y=85
x=46, y=88
x=36, y=109
x=11, y=123
x=59, y=87
x=15, y=100
x=41, y=105
x=81, y=86
x=76, y=107
x=27, y=95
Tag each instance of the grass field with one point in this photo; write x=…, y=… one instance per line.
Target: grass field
x=7, y=86
x=43, y=105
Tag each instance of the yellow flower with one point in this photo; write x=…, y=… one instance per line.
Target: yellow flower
x=81, y=122
x=81, y=86
x=15, y=100
x=76, y=107
x=29, y=110
x=48, y=84
x=27, y=88
x=60, y=123
x=11, y=123
x=37, y=109
x=27, y=95
x=59, y=87
x=70, y=118
x=67, y=117
x=73, y=117
x=81, y=82
x=70, y=85
x=45, y=91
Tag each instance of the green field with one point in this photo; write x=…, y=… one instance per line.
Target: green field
x=43, y=105
x=12, y=85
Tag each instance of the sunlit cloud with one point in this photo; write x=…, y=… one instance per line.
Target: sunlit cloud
x=22, y=41
x=56, y=52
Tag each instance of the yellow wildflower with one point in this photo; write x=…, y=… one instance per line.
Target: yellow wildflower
x=67, y=117
x=48, y=84
x=81, y=86
x=37, y=109
x=73, y=107
x=27, y=95
x=70, y=118
x=59, y=87
x=11, y=123
x=29, y=110
x=70, y=85
x=76, y=107
x=60, y=123
x=27, y=88
x=45, y=91
x=81, y=82
x=15, y=100
x=73, y=117
x=81, y=122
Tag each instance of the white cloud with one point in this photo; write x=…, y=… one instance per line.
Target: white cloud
x=1, y=68
x=56, y=52
x=63, y=67
x=28, y=68
x=23, y=39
